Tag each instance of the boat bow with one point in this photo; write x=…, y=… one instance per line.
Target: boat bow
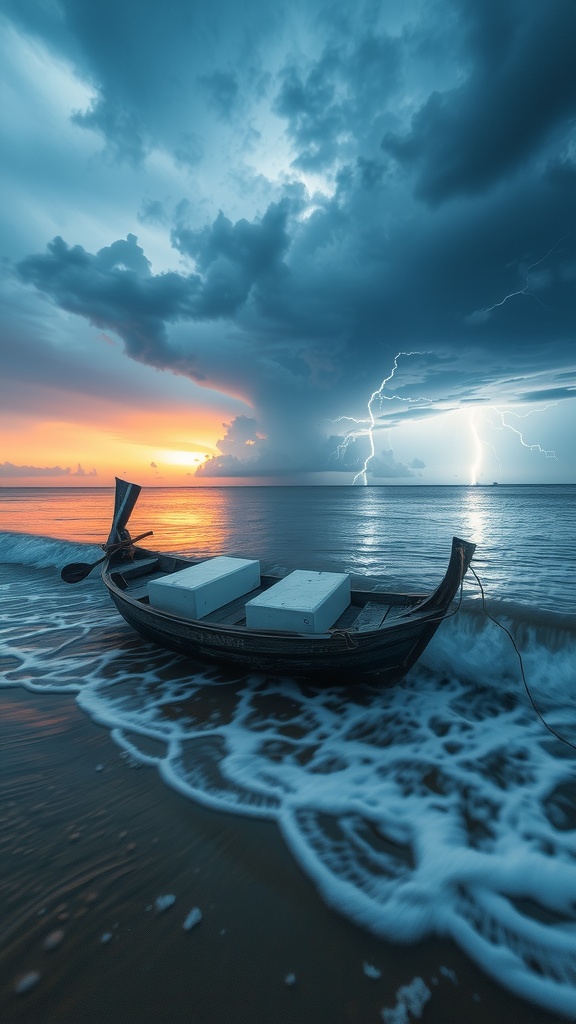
x=125, y=499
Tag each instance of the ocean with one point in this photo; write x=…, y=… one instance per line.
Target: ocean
x=441, y=807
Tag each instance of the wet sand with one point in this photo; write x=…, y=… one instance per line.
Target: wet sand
x=88, y=842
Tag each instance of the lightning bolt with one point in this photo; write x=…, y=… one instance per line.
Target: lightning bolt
x=483, y=314
x=479, y=442
x=475, y=468
x=476, y=464
x=478, y=317
x=508, y=426
x=368, y=425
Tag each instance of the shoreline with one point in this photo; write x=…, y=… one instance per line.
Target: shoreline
x=89, y=842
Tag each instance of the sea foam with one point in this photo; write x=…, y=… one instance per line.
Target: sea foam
x=441, y=806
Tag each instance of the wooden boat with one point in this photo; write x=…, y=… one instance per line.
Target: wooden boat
x=377, y=637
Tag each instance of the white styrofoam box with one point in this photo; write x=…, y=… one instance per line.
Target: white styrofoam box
x=200, y=589
x=304, y=602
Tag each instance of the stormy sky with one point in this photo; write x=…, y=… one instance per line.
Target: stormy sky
x=288, y=243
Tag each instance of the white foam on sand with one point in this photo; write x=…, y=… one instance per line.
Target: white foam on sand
x=410, y=1001
x=192, y=919
x=441, y=806
x=163, y=902
x=371, y=971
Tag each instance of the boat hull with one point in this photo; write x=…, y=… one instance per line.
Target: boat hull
x=340, y=659
x=348, y=653
x=384, y=656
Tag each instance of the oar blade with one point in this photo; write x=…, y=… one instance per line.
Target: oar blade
x=76, y=571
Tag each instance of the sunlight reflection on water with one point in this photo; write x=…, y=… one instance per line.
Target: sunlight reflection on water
x=399, y=536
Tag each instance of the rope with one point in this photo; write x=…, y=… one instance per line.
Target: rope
x=350, y=642
x=526, y=687
x=112, y=549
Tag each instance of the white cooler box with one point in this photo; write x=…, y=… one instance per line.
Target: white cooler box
x=303, y=602
x=200, y=589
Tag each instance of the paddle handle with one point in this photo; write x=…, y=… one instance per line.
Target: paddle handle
x=77, y=571
x=126, y=543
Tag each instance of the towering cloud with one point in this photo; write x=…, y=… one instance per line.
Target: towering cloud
x=303, y=193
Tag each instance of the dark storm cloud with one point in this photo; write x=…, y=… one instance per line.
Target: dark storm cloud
x=154, y=67
x=550, y=394
x=385, y=467
x=332, y=299
x=353, y=454
x=235, y=258
x=115, y=289
x=520, y=89
x=245, y=451
x=240, y=448
x=299, y=300
x=122, y=129
x=337, y=98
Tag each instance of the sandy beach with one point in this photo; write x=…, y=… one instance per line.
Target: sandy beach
x=91, y=842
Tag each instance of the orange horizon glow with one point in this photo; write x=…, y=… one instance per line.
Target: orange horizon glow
x=159, y=447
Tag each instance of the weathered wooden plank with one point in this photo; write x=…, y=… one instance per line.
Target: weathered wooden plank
x=138, y=568
x=371, y=616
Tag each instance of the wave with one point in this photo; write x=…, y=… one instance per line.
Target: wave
x=44, y=552
x=517, y=647
x=522, y=614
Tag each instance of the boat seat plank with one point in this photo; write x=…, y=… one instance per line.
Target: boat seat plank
x=371, y=616
x=347, y=618
x=233, y=613
x=235, y=618
x=398, y=610
x=141, y=567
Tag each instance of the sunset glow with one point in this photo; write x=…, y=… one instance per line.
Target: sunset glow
x=183, y=458
x=112, y=442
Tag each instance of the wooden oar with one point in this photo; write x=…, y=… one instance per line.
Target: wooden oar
x=77, y=571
